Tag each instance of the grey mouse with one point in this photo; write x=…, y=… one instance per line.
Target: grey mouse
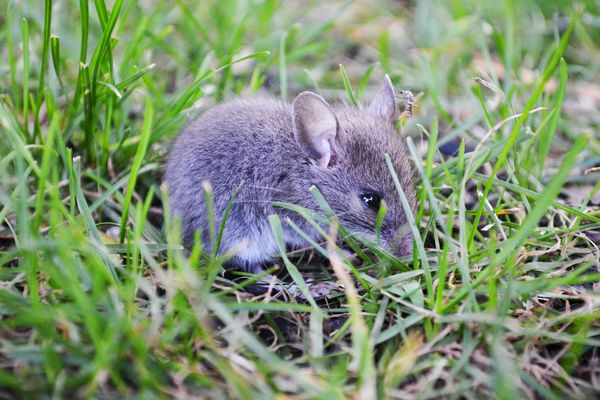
x=277, y=151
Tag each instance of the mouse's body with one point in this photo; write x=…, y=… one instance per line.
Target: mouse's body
x=276, y=151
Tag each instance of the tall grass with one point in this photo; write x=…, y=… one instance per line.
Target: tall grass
x=98, y=299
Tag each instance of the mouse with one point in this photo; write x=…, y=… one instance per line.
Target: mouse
x=268, y=151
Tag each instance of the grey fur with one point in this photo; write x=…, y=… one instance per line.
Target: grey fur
x=260, y=142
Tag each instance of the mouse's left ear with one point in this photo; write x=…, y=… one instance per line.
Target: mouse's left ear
x=384, y=104
x=316, y=130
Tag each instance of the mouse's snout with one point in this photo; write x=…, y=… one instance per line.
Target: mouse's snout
x=402, y=244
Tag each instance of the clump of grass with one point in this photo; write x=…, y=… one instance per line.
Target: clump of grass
x=97, y=298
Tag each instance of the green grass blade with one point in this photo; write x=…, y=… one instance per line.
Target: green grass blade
x=25, y=33
x=347, y=86
x=413, y=227
x=283, y=83
x=537, y=92
x=546, y=135
x=513, y=244
x=12, y=61
x=137, y=164
x=291, y=268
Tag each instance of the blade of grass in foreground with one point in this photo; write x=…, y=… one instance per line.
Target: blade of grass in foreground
x=347, y=86
x=546, y=136
x=537, y=92
x=283, y=82
x=89, y=220
x=47, y=157
x=25, y=33
x=45, y=52
x=293, y=271
x=449, y=246
x=225, y=217
x=315, y=387
x=513, y=244
x=11, y=53
x=189, y=96
x=362, y=347
x=316, y=194
x=414, y=229
x=137, y=164
x=10, y=128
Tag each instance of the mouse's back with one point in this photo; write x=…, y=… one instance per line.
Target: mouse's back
x=243, y=142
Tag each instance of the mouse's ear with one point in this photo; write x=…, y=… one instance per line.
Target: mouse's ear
x=316, y=129
x=384, y=104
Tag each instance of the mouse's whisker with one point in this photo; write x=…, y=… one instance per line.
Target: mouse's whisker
x=266, y=187
x=250, y=201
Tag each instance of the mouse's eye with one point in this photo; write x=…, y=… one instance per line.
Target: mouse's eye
x=371, y=200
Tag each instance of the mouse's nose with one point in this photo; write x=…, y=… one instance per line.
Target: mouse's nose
x=402, y=245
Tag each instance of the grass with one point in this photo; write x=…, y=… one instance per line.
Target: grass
x=500, y=298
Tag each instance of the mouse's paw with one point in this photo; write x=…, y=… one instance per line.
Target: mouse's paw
x=318, y=290
x=322, y=289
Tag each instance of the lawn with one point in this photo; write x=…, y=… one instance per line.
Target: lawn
x=500, y=299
